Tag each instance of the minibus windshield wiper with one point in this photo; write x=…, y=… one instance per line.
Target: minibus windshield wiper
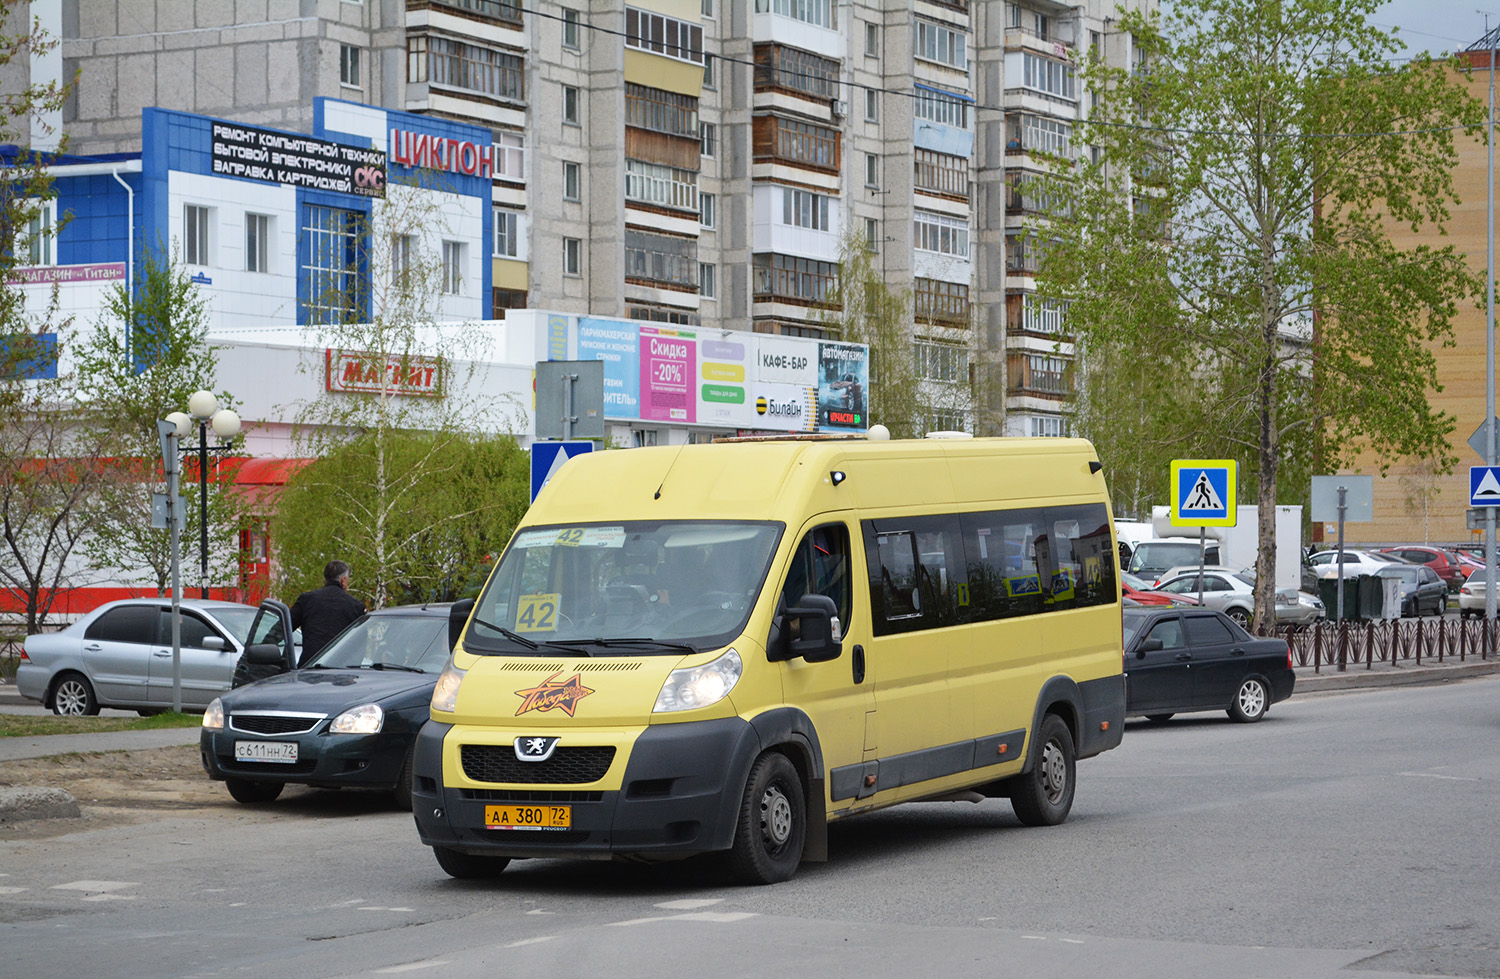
x=628, y=641
x=517, y=637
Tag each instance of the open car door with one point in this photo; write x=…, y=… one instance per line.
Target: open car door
x=269, y=648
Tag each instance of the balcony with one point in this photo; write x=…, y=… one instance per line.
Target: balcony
x=784, y=69
x=1038, y=376
x=795, y=143
x=941, y=303
x=507, y=12
x=661, y=261
x=799, y=281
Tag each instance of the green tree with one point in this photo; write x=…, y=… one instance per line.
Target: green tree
x=860, y=307
x=145, y=356
x=451, y=503
x=1248, y=163
x=400, y=243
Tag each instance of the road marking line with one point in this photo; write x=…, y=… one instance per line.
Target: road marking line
x=381, y=909
x=540, y=911
x=689, y=904
x=1448, y=778
x=721, y=917
x=95, y=885
x=109, y=897
x=531, y=941
x=11, y=890
x=411, y=967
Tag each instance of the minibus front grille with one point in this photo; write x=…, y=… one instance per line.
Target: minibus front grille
x=568, y=765
x=550, y=797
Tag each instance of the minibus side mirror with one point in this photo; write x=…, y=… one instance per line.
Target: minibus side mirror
x=816, y=641
x=458, y=616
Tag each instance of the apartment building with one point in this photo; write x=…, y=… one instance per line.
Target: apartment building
x=691, y=163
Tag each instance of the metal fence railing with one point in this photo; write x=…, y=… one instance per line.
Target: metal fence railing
x=1326, y=645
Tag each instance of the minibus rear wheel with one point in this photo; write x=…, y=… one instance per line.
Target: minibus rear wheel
x=1044, y=795
x=772, y=825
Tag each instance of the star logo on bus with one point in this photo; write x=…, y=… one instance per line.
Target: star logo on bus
x=550, y=695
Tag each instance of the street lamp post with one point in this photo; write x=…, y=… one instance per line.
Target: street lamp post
x=205, y=410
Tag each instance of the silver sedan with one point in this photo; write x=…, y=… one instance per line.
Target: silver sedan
x=1233, y=593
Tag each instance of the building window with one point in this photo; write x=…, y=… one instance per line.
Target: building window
x=572, y=191
x=466, y=67
x=663, y=314
x=708, y=71
x=941, y=43
x=1038, y=134
x=660, y=34
x=1042, y=315
x=1038, y=374
x=941, y=302
x=706, y=210
x=872, y=170
x=786, y=277
x=940, y=233
x=946, y=363
x=872, y=234
x=708, y=280
x=946, y=419
x=508, y=11
x=652, y=183
x=664, y=259
x=403, y=267
x=643, y=437
x=708, y=135
x=331, y=236
x=708, y=8
x=872, y=105
x=572, y=256
x=819, y=13
x=777, y=66
x=941, y=173
x=872, y=40
x=34, y=245
x=453, y=268
x=258, y=242
x=1045, y=75
x=796, y=142
x=510, y=156
x=570, y=104
x=570, y=28
x=1046, y=426
x=504, y=299
x=349, y=65
x=661, y=112
x=945, y=110
x=195, y=232
x=804, y=209
x=507, y=233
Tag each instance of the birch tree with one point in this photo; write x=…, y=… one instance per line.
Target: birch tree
x=1249, y=162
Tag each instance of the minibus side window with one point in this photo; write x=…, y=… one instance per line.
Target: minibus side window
x=1000, y=548
x=917, y=574
x=1076, y=558
x=820, y=566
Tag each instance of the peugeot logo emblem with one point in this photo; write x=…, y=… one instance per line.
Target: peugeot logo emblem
x=535, y=749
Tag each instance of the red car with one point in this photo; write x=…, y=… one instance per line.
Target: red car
x=1439, y=559
x=1140, y=590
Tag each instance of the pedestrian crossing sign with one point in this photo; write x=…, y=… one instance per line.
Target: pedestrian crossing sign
x=1203, y=493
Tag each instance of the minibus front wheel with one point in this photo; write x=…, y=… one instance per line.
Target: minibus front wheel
x=469, y=866
x=772, y=825
x=1044, y=795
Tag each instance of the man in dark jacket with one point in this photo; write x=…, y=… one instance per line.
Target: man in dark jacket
x=323, y=613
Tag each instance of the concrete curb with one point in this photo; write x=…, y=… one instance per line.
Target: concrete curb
x=43, y=746
x=1357, y=676
x=36, y=803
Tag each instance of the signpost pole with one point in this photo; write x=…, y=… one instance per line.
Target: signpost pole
x=1489, y=355
x=1343, y=507
x=569, y=417
x=1202, y=547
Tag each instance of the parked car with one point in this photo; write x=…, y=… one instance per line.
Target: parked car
x=1153, y=557
x=1422, y=591
x=1141, y=591
x=120, y=655
x=1233, y=593
x=347, y=718
x=1441, y=560
x=1183, y=660
x=1468, y=564
x=1355, y=562
x=1471, y=595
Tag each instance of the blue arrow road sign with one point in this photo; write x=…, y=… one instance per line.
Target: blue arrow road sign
x=548, y=457
x=1484, y=486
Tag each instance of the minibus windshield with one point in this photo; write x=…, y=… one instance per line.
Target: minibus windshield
x=625, y=588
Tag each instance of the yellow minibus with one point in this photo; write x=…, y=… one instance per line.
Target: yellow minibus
x=726, y=647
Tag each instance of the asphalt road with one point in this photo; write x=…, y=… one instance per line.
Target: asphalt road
x=1346, y=833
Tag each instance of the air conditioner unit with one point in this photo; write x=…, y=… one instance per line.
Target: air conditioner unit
x=839, y=108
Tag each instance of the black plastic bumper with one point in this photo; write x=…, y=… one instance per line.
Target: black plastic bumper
x=680, y=795
x=323, y=760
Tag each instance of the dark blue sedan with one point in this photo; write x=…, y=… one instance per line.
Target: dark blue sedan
x=347, y=718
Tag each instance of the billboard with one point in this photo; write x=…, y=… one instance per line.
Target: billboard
x=718, y=378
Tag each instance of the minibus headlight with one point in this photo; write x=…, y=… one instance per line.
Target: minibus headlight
x=213, y=717
x=445, y=694
x=700, y=686
x=364, y=719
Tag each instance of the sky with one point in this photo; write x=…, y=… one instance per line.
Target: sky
x=1437, y=25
